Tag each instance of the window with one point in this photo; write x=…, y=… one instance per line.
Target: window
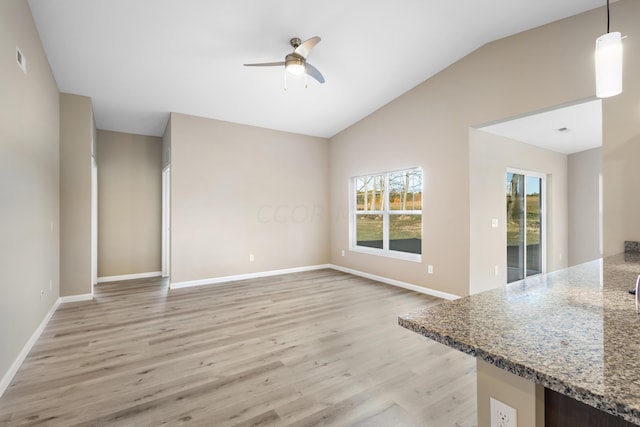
x=387, y=214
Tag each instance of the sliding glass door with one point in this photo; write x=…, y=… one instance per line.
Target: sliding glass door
x=525, y=224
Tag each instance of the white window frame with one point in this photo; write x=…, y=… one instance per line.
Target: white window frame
x=386, y=212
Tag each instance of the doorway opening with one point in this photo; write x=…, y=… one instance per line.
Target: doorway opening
x=94, y=222
x=166, y=222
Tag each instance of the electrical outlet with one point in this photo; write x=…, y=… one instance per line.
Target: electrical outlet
x=343, y=252
x=251, y=258
x=430, y=269
x=495, y=270
x=50, y=284
x=502, y=415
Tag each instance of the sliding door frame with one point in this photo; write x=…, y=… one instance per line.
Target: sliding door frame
x=543, y=216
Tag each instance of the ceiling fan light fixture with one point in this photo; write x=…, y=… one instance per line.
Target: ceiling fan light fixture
x=295, y=65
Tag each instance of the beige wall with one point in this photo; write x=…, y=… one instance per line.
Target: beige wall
x=429, y=127
x=238, y=190
x=621, y=148
x=490, y=156
x=29, y=194
x=76, y=143
x=129, y=203
x=584, y=169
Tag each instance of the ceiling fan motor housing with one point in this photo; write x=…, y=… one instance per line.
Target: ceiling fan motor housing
x=295, y=64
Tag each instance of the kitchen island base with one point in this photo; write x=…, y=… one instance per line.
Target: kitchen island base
x=525, y=396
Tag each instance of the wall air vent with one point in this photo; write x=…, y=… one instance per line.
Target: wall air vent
x=21, y=60
x=562, y=130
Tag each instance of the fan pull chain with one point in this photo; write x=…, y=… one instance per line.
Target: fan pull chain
x=285, y=79
x=305, y=79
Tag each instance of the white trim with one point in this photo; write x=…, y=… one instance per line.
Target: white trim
x=8, y=376
x=75, y=298
x=94, y=221
x=385, y=251
x=129, y=276
x=223, y=279
x=411, y=287
x=166, y=221
x=405, y=256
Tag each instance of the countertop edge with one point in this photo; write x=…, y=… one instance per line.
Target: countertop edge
x=580, y=394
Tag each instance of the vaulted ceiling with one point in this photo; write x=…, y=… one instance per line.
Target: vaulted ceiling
x=141, y=59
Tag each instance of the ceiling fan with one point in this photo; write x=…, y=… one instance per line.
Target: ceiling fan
x=296, y=63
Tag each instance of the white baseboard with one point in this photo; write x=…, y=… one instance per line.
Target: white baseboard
x=420, y=289
x=6, y=379
x=75, y=298
x=129, y=276
x=223, y=279
x=8, y=376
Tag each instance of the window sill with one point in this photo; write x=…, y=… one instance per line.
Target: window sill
x=404, y=256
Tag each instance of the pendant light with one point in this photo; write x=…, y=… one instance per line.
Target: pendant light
x=608, y=63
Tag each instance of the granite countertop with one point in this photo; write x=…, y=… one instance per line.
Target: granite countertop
x=575, y=331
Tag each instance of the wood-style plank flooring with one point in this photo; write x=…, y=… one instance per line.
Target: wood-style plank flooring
x=305, y=349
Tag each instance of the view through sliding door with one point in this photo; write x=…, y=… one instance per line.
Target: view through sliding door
x=525, y=225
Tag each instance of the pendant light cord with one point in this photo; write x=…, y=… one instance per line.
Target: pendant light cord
x=608, y=16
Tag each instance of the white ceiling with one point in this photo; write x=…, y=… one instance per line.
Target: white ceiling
x=141, y=59
x=567, y=130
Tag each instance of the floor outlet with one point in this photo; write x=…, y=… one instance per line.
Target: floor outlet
x=502, y=415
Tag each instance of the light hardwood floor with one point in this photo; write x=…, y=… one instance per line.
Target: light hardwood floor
x=313, y=348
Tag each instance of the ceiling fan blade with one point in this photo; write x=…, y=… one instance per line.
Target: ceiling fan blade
x=306, y=46
x=313, y=72
x=265, y=64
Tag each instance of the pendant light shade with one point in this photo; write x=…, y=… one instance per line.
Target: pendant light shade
x=609, y=65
